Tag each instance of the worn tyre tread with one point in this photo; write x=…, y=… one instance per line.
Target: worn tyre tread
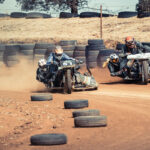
x=90, y=121
x=41, y=97
x=48, y=139
x=90, y=112
x=76, y=104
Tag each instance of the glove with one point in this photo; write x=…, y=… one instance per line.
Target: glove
x=113, y=74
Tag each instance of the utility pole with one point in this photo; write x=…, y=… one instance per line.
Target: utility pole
x=101, y=23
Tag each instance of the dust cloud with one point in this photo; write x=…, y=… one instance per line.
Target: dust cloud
x=21, y=77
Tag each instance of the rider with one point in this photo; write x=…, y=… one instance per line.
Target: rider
x=115, y=67
x=57, y=56
x=54, y=59
x=134, y=47
x=41, y=71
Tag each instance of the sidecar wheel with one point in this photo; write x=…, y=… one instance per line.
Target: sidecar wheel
x=145, y=75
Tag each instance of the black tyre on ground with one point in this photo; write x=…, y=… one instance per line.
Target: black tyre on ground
x=127, y=14
x=4, y=15
x=67, y=15
x=48, y=139
x=90, y=121
x=18, y=15
x=41, y=97
x=90, y=112
x=89, y=14
x=76, y=104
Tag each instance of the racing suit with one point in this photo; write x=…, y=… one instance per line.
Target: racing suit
x=139, y=48
x=116, y=69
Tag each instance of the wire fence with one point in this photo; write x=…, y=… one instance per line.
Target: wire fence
x=106, y=9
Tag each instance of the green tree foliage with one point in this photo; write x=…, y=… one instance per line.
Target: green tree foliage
x=45, y=5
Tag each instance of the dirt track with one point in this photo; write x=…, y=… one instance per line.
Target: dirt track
x=127, y=107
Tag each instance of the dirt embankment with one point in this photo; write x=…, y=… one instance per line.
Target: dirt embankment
x=55, y=29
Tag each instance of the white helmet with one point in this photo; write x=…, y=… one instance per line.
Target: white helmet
x=42, y=62
x=114, y=58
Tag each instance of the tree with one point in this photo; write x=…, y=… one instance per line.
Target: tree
x=45, y=5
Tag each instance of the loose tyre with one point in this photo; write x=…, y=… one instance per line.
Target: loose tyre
x=90, y=112
x=90, y=121
x=76, y=104
x=41, y=97
x=48, y=139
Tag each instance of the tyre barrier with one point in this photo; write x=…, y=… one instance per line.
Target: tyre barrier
x=34, y=15
x=2, y=49
x=41, y=97
x=143, y=14
x=76, y=104
x=40, y=50
x=49, y=50
x=104, y=54
x=89, y=112
x=90, y=121
x=146, y=43
x=127, y=14
x=92, y=52
x=4, y=15
x=11, y=55
x=93, y=14
x=119, y=46
x=48, y=139
x=18, y=15
x=26, y=50
x=68, y=46
x=67, y=15
x=79, y=54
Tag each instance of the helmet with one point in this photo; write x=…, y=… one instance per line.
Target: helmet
x=42, y=62
x=130, y=42
x=114, y=58
x=58, y=51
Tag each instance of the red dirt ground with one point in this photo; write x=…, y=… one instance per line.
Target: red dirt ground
x=126, y=106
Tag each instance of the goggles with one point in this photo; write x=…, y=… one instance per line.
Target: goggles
x=115, y=60
x=131, y=43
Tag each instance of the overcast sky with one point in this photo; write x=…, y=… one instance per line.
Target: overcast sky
x=112, y=5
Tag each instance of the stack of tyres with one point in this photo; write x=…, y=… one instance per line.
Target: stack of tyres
x=26, y=50
x=11, y=55
x=68, y=47
x=104, y=54
x=2, y=49
x=79, y=54
x=119, y=46
x=40, y=50
x=49, y=50
x=92, y=52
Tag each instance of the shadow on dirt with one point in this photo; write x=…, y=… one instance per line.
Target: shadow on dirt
x=123, y=82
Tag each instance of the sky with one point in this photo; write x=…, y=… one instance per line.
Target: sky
x=113, y=6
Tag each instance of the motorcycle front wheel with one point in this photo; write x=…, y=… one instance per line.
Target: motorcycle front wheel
x=68, y=82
